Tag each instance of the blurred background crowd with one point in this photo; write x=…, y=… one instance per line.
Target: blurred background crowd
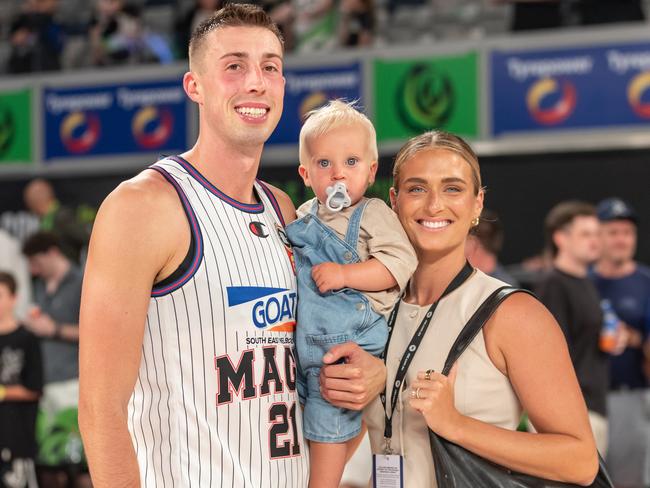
x=570, y=225
x=45, y=35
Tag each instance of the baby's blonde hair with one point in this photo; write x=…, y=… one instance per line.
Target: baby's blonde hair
x=337, y=113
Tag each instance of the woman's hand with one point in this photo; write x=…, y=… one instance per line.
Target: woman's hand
x=354, y=383
x=434, y=399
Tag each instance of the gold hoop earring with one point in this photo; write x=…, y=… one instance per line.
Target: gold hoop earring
x=475, y=221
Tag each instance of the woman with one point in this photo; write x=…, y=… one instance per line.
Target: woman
x=520, y=360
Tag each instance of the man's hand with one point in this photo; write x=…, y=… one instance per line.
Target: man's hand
x=42, y=325
x=357, y=382
x=328, y=276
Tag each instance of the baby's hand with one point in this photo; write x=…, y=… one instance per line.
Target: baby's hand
x=328, y=276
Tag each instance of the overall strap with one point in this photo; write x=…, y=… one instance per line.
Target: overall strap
x=477, y=321
x=314, y=207
x=352, y=234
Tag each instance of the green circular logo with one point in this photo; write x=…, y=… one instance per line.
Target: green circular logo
x=7, y=129
x=426, y=99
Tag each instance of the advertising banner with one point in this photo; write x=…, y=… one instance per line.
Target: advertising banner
x=310, y=88
x=570, y=88
x=115, y=119
x=416, y=95
x=16, y=126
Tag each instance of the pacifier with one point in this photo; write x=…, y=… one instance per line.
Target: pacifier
x=337, y=197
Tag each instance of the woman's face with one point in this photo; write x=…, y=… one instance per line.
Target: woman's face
x=436, y=202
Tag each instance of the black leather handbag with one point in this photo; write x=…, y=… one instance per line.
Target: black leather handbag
x=457, y=467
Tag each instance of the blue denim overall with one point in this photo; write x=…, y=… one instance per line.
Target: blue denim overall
x=327, y=319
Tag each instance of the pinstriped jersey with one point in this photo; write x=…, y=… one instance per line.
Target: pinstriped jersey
x=215, y=401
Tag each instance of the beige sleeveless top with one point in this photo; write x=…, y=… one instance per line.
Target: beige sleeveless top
x=481, y=390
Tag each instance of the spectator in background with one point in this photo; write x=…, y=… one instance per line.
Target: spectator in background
x=36, y=38
x=626, y=284
x=572, y=232
x=134, y=43
x=188, y=21
x=55, y=319
x=102, y=26
x=483, y=246
x=12, y=261
x=356, y=23
x=314, y=25
x=60, y=220
x=21, y=381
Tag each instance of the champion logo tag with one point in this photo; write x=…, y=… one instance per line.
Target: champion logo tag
x=258, y=229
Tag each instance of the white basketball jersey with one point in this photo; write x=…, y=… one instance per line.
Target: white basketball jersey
x=215, y=403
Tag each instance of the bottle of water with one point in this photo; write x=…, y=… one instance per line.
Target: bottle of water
x=609, y=332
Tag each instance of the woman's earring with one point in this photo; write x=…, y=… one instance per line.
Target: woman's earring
x=475, y=221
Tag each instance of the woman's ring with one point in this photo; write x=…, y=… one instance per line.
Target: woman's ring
x=417, y=394
x=427, y=374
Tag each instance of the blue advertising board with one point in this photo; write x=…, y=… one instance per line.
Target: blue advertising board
x=310, y=88
x=115, y=119
x=579, y=88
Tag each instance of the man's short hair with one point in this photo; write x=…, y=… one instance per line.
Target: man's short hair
x=232, y=15
x=8, y=280
x=562, y=215
x=40, y=242
x=489, y=232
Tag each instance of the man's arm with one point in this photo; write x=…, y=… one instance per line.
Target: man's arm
x=140, y=230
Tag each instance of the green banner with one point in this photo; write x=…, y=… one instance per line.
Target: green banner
x=15, y=126
x=416, y=95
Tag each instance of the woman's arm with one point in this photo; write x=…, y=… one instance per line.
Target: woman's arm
x=525, y=343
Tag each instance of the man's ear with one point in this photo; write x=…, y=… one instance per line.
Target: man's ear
x=192, y=87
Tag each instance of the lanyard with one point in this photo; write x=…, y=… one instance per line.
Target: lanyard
x=412, y=348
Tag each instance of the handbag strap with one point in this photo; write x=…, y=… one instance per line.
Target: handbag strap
x=477, y=321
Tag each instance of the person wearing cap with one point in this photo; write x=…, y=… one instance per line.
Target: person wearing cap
x=626, y=284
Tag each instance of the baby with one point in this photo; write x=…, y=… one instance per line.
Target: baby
x=352, y=260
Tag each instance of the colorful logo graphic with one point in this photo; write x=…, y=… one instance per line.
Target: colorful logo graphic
x=550, y=104
x=425, y=98
x=312, y=102
x=152, y=126
x=638, y=94
x=80, y=131
x=258, y=229
x=271, y=309
x=7, y=129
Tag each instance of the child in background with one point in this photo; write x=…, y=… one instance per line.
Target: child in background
x=21, y=381
x=352, y=260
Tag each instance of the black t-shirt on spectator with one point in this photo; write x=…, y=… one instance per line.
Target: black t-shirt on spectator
x=575, y=304
x=20, y=364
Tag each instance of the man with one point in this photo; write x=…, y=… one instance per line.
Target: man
x=187, y=362
x=484, y=245
x=55, y=319
x=40, y=199
x=21, y=381
x=572, y=232
x=626, y=284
